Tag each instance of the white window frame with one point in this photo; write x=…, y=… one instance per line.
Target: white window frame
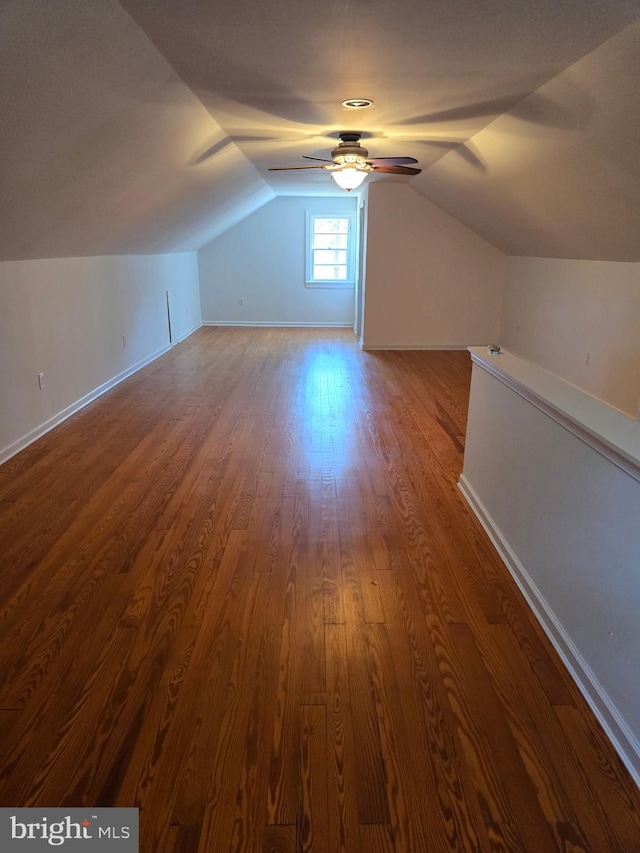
x=352, y=240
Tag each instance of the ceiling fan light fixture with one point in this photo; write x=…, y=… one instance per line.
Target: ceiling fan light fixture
x=350, y=163
x=349, y=177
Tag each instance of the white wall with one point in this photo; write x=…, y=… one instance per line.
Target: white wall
x=557, y=311
x=431, y=282
x=262, y=260
x=66, y=318
x=555, y=477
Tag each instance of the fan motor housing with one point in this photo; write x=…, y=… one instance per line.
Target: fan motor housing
x=349, y=151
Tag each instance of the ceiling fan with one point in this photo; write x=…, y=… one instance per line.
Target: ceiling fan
x=350, y=163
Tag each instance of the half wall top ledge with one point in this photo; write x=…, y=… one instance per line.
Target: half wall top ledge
x=611, y=432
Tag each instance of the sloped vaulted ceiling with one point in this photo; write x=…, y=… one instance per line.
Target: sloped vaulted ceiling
x=102, y=144
x=149, y=125
x=558, y=175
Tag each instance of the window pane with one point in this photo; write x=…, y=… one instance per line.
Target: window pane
x=327, y=273
x=330, y=241
x=329, y=257
x=330, y=249
x=330, y=226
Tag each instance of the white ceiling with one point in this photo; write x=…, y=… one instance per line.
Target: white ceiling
x=146, y=126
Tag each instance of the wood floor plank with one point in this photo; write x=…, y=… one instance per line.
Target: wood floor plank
x=183, y=839
x=310, y=640
x=546, y=666
x=28, y=542
x=468, y=589
x=242, y=592
x=104, y=540
x=343, y=829
x=615, y=790
x=414, y=827
x=283, y=774
x=351, y=578
x=185, y=703
x=386, y=546
x=279, y=839
x=371, y=792
x=264, y=525
x=31, y=661
x=425, y=555
x=447, y=782
x=40, y=741
x=250, y=813
x=480, y=761
x=283, y=580
x=312, y=823
x=377, y=838
x=555, y=769
x=334, y=605
x=519, y=787
x=225, y=775
x=8, y=719
x=205, y=753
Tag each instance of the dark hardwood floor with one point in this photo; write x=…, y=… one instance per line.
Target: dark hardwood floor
x=243, y=592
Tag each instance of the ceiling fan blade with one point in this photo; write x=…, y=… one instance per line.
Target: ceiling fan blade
x=288, y=168
x=321, y=159
x=391, y=161
x=396, y=170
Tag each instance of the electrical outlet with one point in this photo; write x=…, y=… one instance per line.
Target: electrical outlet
x=588, y=358
x=41, y=380
x=241, y=300
x=124, y=340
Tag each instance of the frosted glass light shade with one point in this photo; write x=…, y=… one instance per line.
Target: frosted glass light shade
x=349, y=177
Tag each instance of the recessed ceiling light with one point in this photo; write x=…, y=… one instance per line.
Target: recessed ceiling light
x=357, y=103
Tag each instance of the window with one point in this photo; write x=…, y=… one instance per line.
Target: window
x=331, y=242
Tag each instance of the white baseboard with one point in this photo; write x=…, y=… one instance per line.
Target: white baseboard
x=373, y=347
x=277, y=324
x=36, y=433
x=622, y=738
x=188, y=333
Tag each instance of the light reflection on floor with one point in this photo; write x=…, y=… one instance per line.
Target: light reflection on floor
x=330, y=429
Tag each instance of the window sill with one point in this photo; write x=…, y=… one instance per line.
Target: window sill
x=333, y=285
